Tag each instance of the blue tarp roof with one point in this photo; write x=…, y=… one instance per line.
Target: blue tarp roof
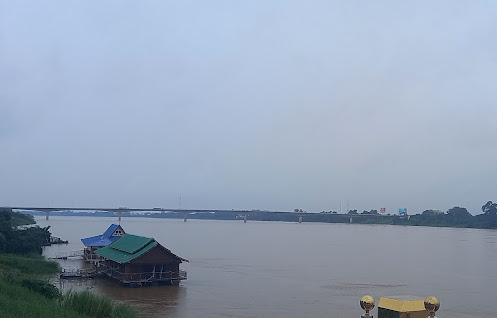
x=99, y=240
x=103, y=239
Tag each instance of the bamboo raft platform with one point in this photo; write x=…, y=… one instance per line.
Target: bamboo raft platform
x=66, y=255
x=78, y=273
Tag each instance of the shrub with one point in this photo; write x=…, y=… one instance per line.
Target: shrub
x=42, y=287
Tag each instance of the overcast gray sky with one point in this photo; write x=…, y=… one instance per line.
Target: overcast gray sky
x=249, y=104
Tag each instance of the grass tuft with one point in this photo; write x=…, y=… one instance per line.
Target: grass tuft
x=96, y=306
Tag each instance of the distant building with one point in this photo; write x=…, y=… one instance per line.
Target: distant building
x=92, y=243
x=140, y=261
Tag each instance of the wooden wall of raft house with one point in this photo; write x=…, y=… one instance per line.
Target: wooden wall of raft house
x=158, y=257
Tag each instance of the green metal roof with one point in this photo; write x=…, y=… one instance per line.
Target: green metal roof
x=127, y=248
x=130, y=243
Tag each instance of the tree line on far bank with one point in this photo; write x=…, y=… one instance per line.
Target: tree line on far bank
x=454, y=217
x=458, y=217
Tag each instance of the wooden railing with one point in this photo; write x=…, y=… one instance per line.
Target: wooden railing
x=90, y=256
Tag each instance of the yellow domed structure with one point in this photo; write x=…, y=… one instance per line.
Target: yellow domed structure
x=432, y=304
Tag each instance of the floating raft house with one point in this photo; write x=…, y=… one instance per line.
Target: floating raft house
x=136, y=261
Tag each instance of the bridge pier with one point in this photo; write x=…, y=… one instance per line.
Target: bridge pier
x=46, y=217
x=119, y=217
x=245, y=218
x=351, y=221
x=300, y=218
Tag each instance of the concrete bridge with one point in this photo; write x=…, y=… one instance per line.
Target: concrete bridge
x=120, y=210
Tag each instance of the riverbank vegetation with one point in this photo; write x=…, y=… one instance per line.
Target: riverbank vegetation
x=455, y=217
x=15, y=239
x=18, y=218
x=25, y=290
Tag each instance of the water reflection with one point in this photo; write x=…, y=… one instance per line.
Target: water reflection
x=153, y=301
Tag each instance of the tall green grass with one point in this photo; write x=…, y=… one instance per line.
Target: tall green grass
x=17, y=301
x=29, y=264
x=25, y=293
x=96, y=306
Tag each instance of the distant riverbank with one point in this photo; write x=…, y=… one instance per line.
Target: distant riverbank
x=456, y=217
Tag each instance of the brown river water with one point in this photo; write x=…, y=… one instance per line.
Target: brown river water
x=291, y=270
